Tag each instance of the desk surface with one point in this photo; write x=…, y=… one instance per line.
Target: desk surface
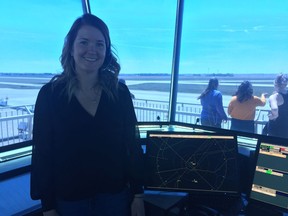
x=15, y=196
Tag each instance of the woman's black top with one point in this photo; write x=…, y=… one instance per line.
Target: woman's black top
x=279, y=126
x=76, y=155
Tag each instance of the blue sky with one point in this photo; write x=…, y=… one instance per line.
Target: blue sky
x=224, y=36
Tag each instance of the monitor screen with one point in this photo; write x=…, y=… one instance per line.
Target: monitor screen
x=193, y=162
x=270, y=180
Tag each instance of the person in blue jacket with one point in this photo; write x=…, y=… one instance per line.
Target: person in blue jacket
x=212, y=113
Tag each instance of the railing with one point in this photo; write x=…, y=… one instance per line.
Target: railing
x=16, y=122
x=149, y=110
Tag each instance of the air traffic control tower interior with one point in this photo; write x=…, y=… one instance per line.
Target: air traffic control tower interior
x=193, y=169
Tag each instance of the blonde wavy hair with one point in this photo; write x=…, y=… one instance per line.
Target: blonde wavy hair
x=108, y=73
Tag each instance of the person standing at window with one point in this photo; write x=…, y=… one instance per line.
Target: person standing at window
x=86, y=159
x=278, y=101
x=212, y=113
x=242, y=107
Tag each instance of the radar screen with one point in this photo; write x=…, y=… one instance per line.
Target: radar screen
x=193, y=162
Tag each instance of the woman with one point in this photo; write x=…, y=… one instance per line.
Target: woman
x=278, y=117
x=212, y=113
x=242, y=107
x=85, y=156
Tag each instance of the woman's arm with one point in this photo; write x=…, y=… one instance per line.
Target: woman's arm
x=219, y=107
x=137, y=206
x=132, y=136
x=42, y=154
x=136, y=156
x=230, y=106
x=52, y=212
x=275, y=100
x=260, y=101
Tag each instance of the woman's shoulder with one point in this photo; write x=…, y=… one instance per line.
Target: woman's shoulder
x=123, y=89
x=254, y=97
x=52, y=89
x=273, y=96
x=217, y=92
x=46, y=89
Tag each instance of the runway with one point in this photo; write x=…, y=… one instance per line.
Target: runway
x=24, y=90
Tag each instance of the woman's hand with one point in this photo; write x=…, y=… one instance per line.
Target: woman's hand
x=137, y=207
x=52, y=212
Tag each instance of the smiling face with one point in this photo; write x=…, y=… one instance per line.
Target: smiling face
x=89, y=50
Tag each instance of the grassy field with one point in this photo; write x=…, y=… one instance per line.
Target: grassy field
x=201, y=76
x=40, y=79
x=186, y=88
x=189, y=88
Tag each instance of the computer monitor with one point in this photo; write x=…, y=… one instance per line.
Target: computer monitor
x=269, y=187
x=197, y=163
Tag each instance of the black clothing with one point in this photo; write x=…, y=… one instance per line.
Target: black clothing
x=76, y=155
x=242, y=125
x=279, y=126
